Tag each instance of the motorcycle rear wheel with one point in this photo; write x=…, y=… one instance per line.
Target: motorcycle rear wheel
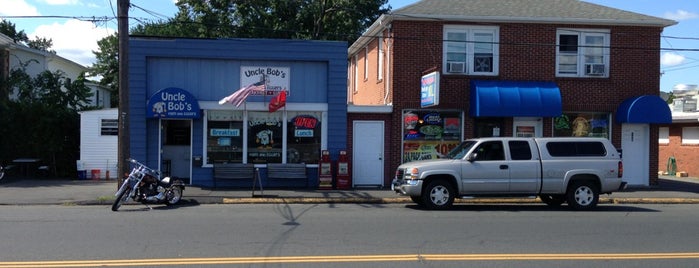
x=121, y=198
x=173, y=196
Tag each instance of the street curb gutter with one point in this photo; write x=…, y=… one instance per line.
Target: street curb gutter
x=362, y=200
x=401, y=200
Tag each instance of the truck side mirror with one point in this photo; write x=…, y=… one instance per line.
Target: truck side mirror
x=471, y=157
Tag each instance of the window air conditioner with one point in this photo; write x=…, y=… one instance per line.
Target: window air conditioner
x=455, y=67
x=594, y=69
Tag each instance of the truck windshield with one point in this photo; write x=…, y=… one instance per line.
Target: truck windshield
x=460, y=151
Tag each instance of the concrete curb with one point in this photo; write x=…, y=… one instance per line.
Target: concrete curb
x=360, y=200
x=402, y=200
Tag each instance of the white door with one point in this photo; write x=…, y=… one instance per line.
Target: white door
x=367, y=153
x=528, y=127
x=635, y=150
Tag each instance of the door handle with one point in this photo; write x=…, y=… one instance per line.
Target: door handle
x=503, y=167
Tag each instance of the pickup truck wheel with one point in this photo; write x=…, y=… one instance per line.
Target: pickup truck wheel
x=438, y=195
x=417, y=200
x=552, y=200
x=582, y=195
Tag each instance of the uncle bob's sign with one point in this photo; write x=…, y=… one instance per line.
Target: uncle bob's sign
x=173, y=102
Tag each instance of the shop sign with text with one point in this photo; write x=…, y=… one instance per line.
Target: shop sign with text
x=276, y=78
x=172, y=102
x=429, y=90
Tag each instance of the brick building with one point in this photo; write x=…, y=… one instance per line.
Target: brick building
x=430, y=74
x=680, y=139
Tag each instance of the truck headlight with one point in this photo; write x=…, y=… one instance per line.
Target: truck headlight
x=412, y=174
x=411, y=182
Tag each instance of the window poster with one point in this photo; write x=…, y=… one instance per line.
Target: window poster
x=524, y=131
x=582, y=125
x=430, y=134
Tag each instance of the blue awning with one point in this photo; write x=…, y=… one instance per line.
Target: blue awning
x=646, y=109
x=515, y=98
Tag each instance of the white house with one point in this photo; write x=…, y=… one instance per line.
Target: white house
x=99, y=143
x=13, y=55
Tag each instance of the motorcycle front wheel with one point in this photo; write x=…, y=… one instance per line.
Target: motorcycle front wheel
x=121, y=198
x=2, y=173
x=174, y=195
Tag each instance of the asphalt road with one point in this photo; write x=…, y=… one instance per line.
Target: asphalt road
x=349, y=235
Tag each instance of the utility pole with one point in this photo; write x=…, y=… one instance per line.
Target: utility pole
x=124, y=138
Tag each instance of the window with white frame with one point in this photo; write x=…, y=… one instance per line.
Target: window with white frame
x=690, y=135
x=664, y=135
x=582, y=53
x=470, y=50
x=379, y=69
x=366, y=63
x=356, y=74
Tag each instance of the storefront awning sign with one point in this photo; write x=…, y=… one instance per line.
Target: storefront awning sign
x=173, y=102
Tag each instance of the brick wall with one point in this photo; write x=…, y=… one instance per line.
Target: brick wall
x=527, y=52
x=686, y=155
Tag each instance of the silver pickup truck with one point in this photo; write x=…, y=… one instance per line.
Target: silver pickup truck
x=557, y=170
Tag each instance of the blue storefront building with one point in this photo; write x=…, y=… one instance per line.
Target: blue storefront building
x=178, y=125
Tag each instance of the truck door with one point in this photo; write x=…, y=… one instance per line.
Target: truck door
x=525, y=168
x=488, y=172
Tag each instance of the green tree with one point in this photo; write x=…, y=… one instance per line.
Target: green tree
x=40, y=43
x=43, y=120
x=8, y=28
x=107, y=65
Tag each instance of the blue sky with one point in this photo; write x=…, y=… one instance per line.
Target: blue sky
x=75, y=39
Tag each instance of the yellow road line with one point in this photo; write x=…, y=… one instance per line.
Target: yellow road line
x=351, y=258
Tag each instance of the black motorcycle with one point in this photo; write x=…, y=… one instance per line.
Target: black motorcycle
x=144, y=185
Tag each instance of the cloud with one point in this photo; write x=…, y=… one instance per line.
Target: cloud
x=671, y=59
x=74, y=40
x=61, y=2
x=17, y=8
x=680, y=15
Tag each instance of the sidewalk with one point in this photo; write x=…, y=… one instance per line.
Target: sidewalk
x=15, y=191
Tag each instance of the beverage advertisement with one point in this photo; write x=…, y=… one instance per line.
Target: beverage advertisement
x=429, y=134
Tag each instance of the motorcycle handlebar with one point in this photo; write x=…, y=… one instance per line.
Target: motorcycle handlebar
x=150, y=170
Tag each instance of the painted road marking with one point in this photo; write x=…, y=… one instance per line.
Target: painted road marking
x=351, y=258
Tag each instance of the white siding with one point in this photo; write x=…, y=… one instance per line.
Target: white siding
x=98, y=152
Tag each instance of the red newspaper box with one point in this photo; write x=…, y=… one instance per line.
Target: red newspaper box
x=344, y=180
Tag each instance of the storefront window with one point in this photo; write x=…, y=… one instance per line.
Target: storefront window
x=429, y=134
x=582, y=125
x=224, y=137
x=303, y=137
x=265, y=137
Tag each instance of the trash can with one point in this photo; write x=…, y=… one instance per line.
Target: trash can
x=82, y=174
x=95, y=174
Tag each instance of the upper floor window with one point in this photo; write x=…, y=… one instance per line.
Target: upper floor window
x=582, y=53
x=470, y=50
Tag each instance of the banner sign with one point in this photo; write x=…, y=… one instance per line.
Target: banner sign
x=173, y=102
x=277, y=78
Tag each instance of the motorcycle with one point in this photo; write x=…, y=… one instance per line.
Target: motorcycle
x=145, y=185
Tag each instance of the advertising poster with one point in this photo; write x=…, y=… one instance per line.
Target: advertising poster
x=429, y=134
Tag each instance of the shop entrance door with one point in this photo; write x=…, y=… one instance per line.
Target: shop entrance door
x=635, y=149
x=527, y=127
x=176, y=148
x=367, y=153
